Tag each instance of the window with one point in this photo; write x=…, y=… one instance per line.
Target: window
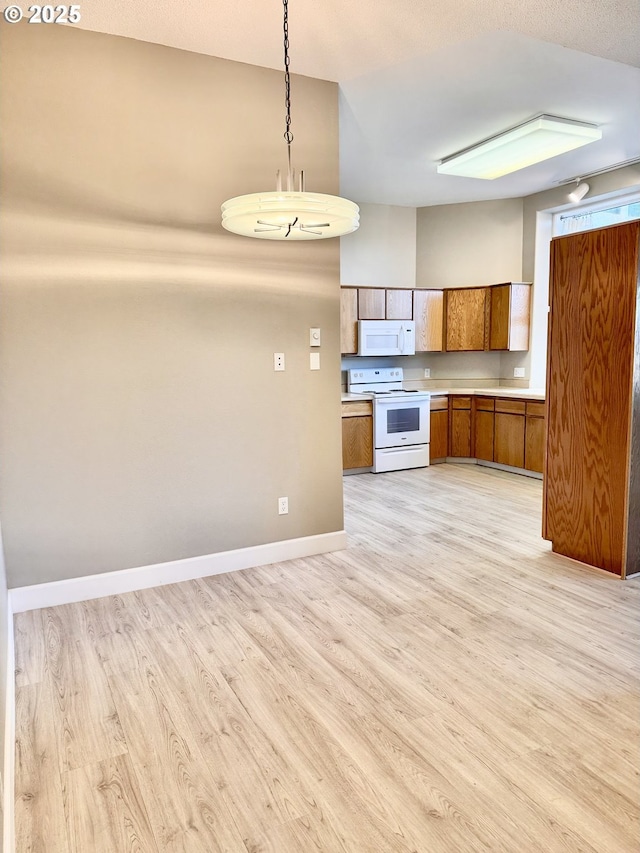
x=589, y=216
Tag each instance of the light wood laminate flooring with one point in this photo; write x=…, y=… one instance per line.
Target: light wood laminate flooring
x=444, y=685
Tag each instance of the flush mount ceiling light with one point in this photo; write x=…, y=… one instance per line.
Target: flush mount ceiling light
x=580, y=191
x=289, y=214
x=532, y=142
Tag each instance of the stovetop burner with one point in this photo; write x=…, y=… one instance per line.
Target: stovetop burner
x=381, y=382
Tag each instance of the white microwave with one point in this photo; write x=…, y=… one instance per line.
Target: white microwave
x=386, y=337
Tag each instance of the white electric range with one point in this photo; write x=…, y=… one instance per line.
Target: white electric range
x=400, y=418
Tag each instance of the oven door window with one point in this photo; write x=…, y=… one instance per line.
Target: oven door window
x=403, y=420
x=400, y=424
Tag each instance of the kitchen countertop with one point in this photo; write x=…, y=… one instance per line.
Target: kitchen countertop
x=518, y=393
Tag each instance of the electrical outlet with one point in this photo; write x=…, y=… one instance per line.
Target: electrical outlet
x=518, y=372
x=278, y=361
x=427, y=373
x=283, y=506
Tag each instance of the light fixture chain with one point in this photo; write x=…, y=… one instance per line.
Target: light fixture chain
x=288, y=135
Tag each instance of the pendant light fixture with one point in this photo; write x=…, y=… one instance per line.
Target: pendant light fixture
x=289, y=214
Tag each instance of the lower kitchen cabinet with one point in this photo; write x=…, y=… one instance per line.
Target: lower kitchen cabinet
x=483, y=428
x=439, y=428
x=357, y=435
x=535, y=436
x=460, y=426
x=508, y=445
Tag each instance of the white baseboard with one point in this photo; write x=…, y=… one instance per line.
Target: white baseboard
x=71, y=590
x=8, y=770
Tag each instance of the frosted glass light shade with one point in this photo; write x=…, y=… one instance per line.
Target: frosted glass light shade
x=536, y=140
x=290, y=215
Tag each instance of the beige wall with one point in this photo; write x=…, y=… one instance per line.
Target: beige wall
x=467, y=245
x=382, y=252
x=141, y=419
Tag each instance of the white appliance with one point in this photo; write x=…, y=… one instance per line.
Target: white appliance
x=400, y=418
x=386, y=337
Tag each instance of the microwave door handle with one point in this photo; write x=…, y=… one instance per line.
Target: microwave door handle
x=401, y=338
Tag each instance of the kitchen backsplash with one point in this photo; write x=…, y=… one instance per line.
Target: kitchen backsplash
x=447, y=370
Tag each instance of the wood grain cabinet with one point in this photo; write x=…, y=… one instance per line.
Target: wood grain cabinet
x=357, y=434
x=428, y=313
x=483, y=428
x=508, y=447
x=534, y=438
x=439, y=429
x=348, y=320
x=372, y=303
x=468, y=319
x=509, y=316
x=460, y=426
x=465, y=320
x=592, y=466
x=399, y=304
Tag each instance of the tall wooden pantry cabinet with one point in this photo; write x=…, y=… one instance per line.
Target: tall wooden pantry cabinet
x=592, y=472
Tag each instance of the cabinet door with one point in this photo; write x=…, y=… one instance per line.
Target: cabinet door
x=510, y=314
x=534, y=444
x=371, y=303
x=508, y=447
x=348, y=320
x=483, y=435
x=439, y=441
x=500, y=313
x=399, y=304
x=428, y=313
x=357, y=442
x=460, y=426
x=466, y=323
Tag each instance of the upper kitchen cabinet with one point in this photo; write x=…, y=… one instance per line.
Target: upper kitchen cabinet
x=466, y=308
x=376, y=303
x=509, y=317
x=371, y=303
x=348, y=320
x=428, y=313
x=399, y=304
x=488, y=318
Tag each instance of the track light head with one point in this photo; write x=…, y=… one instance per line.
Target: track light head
x=579, y=193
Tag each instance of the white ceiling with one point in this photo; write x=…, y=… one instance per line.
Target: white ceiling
x=420, y=80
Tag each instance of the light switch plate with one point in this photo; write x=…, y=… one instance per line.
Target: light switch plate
x=278, y=361
x=314, y=337
x=427, y=373
x=314, y=361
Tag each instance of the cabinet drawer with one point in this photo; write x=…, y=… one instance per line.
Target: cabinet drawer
x=439, y=403
x=535, y=408
x=485, y=404
x=510, y=407
x=461, y=402
x=357, y=409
